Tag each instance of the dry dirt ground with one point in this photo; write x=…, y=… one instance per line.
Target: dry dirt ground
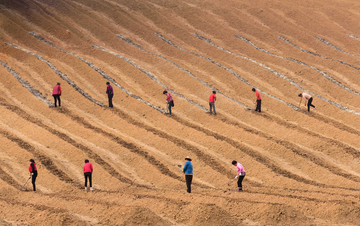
x=302, y=168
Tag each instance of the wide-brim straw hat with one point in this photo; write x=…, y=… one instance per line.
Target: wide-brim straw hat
x=188, y=158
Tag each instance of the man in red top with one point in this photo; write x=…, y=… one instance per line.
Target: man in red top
x=212, y=100
x=258, y=100
x=57, y=93
x=88, y=170
x=33, y=173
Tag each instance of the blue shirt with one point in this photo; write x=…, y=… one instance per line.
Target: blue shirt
x=188, y=168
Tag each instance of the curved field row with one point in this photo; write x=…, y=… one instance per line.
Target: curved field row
x=301, y=169
x=235, y=145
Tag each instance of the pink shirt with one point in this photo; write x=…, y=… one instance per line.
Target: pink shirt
x=88, y=168
x=240, y=168
x=212, y=98
x=168, y=97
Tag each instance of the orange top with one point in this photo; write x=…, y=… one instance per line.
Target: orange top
x=257, y=95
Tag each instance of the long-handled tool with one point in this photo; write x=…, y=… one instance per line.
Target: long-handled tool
x=231, y=181
x=23, y=187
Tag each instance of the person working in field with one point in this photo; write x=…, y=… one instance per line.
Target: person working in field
x=56, y=94
x=240, y=174
x=169, y=101
x=212, y=100
x=88, y=170
x=258, y=100
x=33, y=173
x=188, y=170
x=110, y=93
x=308, y=100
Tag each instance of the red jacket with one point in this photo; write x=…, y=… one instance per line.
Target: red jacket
x=56, y=90
x=212, y=98
x=32, y=168
x=88, y=168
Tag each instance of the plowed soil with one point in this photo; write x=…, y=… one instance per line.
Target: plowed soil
x=302, y=168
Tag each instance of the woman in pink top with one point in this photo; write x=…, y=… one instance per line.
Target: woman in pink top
x=88, y=170
x=308, y=99
x=169, y=101
x=56, y=94
x=240, y=174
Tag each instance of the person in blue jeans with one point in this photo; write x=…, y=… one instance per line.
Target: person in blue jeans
x=169, y=100
x=188, y=170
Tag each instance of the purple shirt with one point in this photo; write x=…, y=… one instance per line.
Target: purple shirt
x=109, y=90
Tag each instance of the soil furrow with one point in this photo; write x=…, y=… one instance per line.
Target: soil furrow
x=162, y=168
x=96, y=157
x=334, y=47
x=209, y=160
x=349, y=149
x=59, y=73
x=324, y=74
x=8, y=179
x=43, y=159
x=130, y=146
x=228, y=70
x=101, y=72
x=185, y=70
x=286, y=144
x=300, y=151
x=66, y=138
x=153, y=77
x=317, y=55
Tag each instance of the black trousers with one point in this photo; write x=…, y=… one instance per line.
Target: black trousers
x=88, y=176
x=310, y=104
x=110, y=97
x=33, y=179
x=188, y=179
x=258, y=105
x=239, y=182
x=57, y=99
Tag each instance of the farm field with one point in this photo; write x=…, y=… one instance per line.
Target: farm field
x=302, y=168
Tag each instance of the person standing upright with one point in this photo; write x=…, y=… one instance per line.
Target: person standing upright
x=56, y=94
x=212, y=100
x=308, y=100
x=188, y=170
x=240, y=174
x=88, y=170
x=33, y=173
x=258, y=100
x=169, y=101
x=110, y=93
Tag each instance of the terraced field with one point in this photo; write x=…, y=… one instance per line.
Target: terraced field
x=301, y=168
